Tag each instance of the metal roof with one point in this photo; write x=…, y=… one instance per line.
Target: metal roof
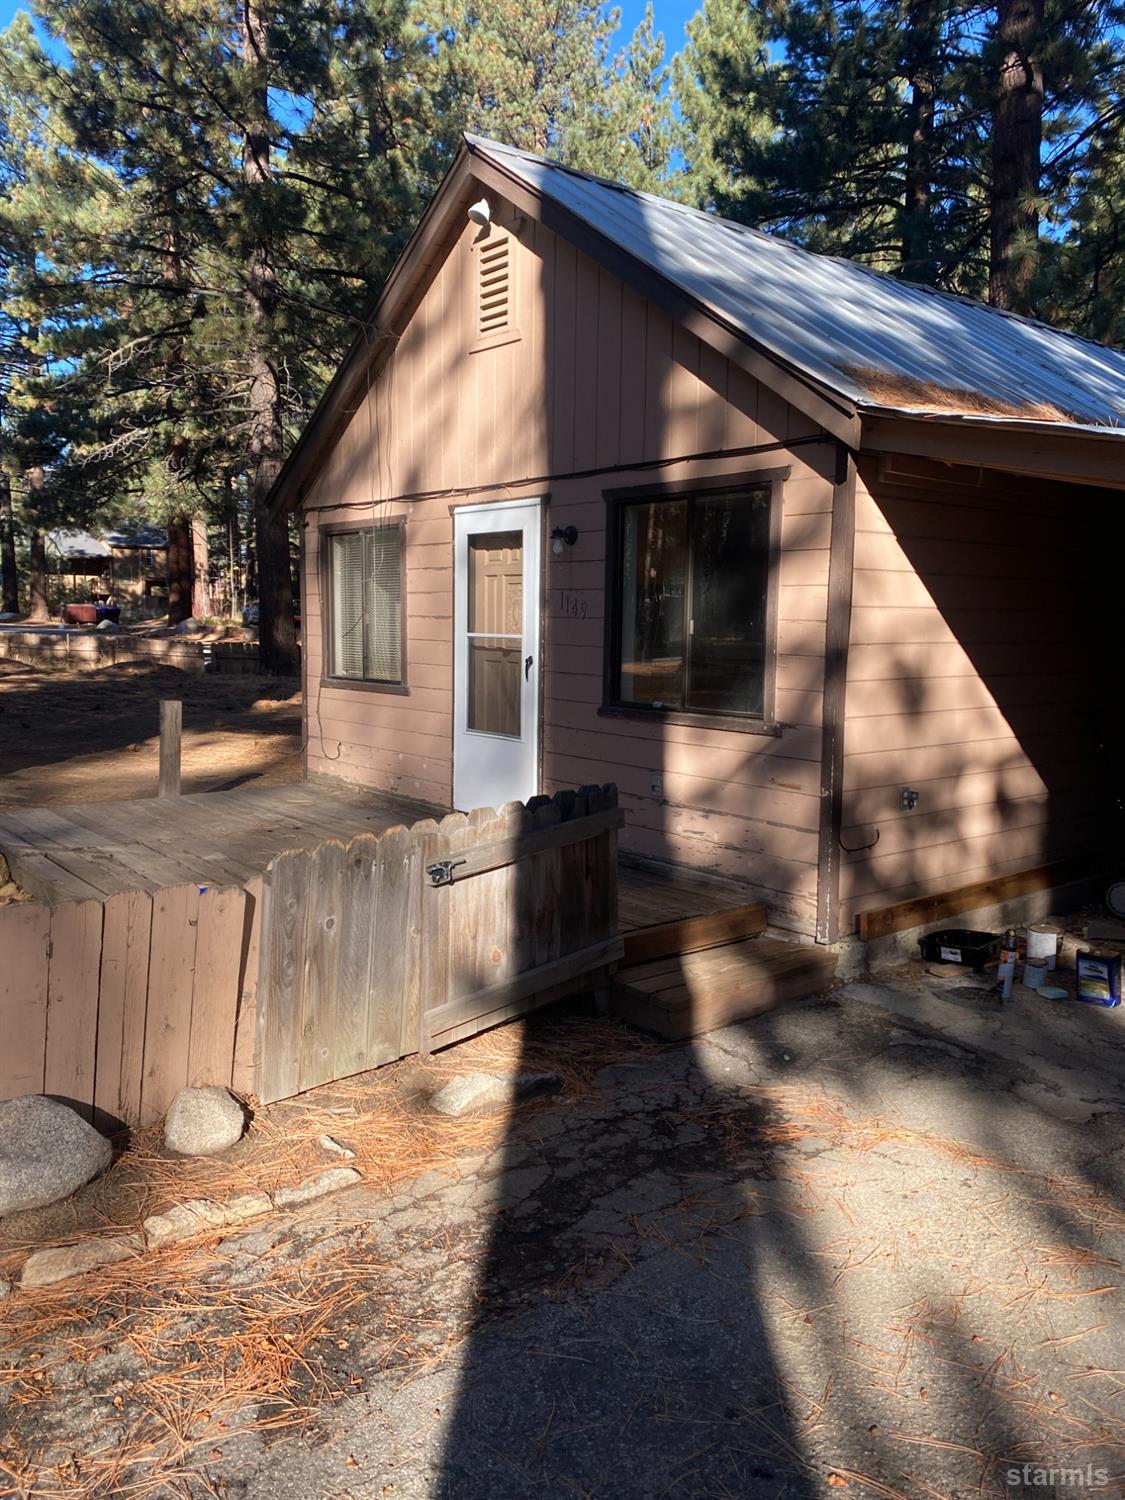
x=72, y=542
x=138, y=534
x=885, y=344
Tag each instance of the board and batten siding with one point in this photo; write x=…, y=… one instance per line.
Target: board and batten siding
x=965, y=683
x=597, y=380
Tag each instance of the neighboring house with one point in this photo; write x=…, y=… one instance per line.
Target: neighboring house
x=129, y=565
x=815, y=564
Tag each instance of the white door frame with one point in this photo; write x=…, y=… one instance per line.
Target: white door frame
x=491, y=769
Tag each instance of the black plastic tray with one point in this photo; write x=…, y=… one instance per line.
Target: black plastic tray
x=960, y=945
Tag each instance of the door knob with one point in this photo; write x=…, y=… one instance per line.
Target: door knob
x=527, y=667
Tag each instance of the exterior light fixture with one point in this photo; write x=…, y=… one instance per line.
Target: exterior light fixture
x=561, y=534
x=480, y=213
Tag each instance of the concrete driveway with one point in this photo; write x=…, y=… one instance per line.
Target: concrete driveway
x=868, y=1246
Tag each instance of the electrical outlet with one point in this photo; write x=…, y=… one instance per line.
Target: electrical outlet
x=656, y=784
x=907, y=798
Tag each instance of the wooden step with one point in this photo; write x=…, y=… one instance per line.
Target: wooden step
x=686, y=994
x=692, y=934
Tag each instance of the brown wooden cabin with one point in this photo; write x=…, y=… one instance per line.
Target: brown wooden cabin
x=812, y=563
x=128, y=566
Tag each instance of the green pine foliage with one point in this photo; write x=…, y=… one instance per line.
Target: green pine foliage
x=917, y=137
x=529, y=73
x=198, y=200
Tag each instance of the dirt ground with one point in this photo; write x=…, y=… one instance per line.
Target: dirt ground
x=871, y=1246
x=68, y=736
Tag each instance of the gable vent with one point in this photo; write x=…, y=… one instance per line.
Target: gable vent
x=494, y=287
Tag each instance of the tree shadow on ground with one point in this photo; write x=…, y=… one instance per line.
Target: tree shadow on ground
x=820, y=1250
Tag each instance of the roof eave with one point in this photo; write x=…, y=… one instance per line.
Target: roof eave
x=1075, y=453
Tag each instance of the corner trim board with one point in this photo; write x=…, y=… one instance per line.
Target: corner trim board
x=841, y=559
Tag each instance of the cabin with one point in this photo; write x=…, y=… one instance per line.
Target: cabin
x=128, y=566
x=815, y=565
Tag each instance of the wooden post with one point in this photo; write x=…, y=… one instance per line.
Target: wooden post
x=171, y=723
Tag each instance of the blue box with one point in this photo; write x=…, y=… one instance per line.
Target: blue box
x=1099, y=978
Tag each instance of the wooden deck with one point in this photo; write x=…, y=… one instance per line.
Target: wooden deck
x=92, y=850
x=693, y=958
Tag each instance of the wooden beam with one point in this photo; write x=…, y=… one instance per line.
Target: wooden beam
x=838, y=631
x=693, y=934
x=484, y=1003
x=903, y=915
x=171, y=730
x=1078, y=457
x=501, y=852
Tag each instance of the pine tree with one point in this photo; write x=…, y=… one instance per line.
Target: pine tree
x=1084, y=268
x=718, y=87
x=825, y=173
x=930, y=138
x=219, y=191
x=11, y=352
x=632, y=135
x=533, y=75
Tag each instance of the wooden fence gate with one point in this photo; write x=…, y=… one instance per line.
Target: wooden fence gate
x=422, y=936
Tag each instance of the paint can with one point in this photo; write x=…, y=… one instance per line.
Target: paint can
x=1034, y=973
x=1043, y=942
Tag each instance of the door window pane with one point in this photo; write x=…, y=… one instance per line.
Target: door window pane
x=496, y=583
x=730, y=559
x=654, y=571
x=495, y=630
x=494, y=685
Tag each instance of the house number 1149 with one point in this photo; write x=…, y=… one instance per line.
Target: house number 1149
x=572, y=604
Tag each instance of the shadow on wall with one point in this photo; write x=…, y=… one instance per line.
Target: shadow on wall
x=976, y=678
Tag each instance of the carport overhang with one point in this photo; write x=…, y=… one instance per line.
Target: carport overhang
x=1073, y=454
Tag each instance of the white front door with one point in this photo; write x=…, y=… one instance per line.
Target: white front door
x=496, y=562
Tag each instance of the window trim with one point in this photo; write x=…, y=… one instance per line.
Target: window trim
x=616, y=500
x=361, y=684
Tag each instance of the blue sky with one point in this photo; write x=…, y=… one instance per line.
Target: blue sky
x=671, y=16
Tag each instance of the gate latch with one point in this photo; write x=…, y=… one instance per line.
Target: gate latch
x=441, y=873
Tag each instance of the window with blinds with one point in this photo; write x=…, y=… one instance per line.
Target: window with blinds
x=365, y=582
x=494, y=287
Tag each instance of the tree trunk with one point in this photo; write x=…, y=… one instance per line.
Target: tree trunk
x=181, y=570
x=251, y=572
x=38, y=607
x=234, y=549
x=923, y=41
x=277, y=634
x=201, y=567
x=9, y=580
x=1017, y=140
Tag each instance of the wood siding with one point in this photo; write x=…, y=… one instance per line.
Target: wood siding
x=596, y=387
x=970, y=679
